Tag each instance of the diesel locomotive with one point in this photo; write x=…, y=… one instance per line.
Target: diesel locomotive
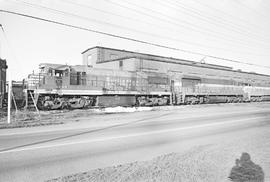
x=112, y=77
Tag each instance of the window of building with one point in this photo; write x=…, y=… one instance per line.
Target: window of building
x=120, y=64
x=89, y=60
x=113, y=56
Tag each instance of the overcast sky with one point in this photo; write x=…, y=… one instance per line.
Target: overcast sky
x=233, y=29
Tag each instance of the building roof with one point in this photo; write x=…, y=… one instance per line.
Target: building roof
x=157, y=57
x=171, y=60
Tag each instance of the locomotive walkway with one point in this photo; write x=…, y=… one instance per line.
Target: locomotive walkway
x=42, y=153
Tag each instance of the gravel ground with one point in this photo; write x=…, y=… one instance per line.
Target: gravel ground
x=207, y=163
x=24, y=118
x=31, y=118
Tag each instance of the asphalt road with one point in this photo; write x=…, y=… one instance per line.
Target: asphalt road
x=38, y=154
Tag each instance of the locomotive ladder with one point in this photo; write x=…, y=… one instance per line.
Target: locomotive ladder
x=30, y=102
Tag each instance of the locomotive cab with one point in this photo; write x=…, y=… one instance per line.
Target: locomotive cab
x=53, y=76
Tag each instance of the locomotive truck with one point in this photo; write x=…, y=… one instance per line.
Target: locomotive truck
x=113, y=77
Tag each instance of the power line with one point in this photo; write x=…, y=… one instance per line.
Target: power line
x=201, y=29
x=11, y=50
x=117, y=26
x=168, y=20
x=130, y=29
x=229, y=15
x=258, y=13
x=177, y=5
x=127, y=38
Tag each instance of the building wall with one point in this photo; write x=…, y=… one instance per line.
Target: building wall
x=129, y=64
x=161, y=67
x=90, y=57
x=108, y=54
x=109, y=65
x=98, y=57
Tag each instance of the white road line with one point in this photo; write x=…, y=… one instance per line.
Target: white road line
x=131, y=135
x=21, y=132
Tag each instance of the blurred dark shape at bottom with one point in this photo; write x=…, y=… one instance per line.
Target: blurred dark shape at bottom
x=246, y=171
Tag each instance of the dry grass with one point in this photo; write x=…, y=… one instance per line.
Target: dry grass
x=23, y=118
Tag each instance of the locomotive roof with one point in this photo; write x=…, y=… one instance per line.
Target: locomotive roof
x=54, y=66
x=51, y=65
x=172, y=60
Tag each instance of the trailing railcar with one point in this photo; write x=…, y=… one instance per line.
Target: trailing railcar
x=206, y=91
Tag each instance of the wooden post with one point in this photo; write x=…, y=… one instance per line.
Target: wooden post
x=26, y=99
x=14, y=101
x=15, y=105
x=9, y=97
x=35, y=104
x=171, y=98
